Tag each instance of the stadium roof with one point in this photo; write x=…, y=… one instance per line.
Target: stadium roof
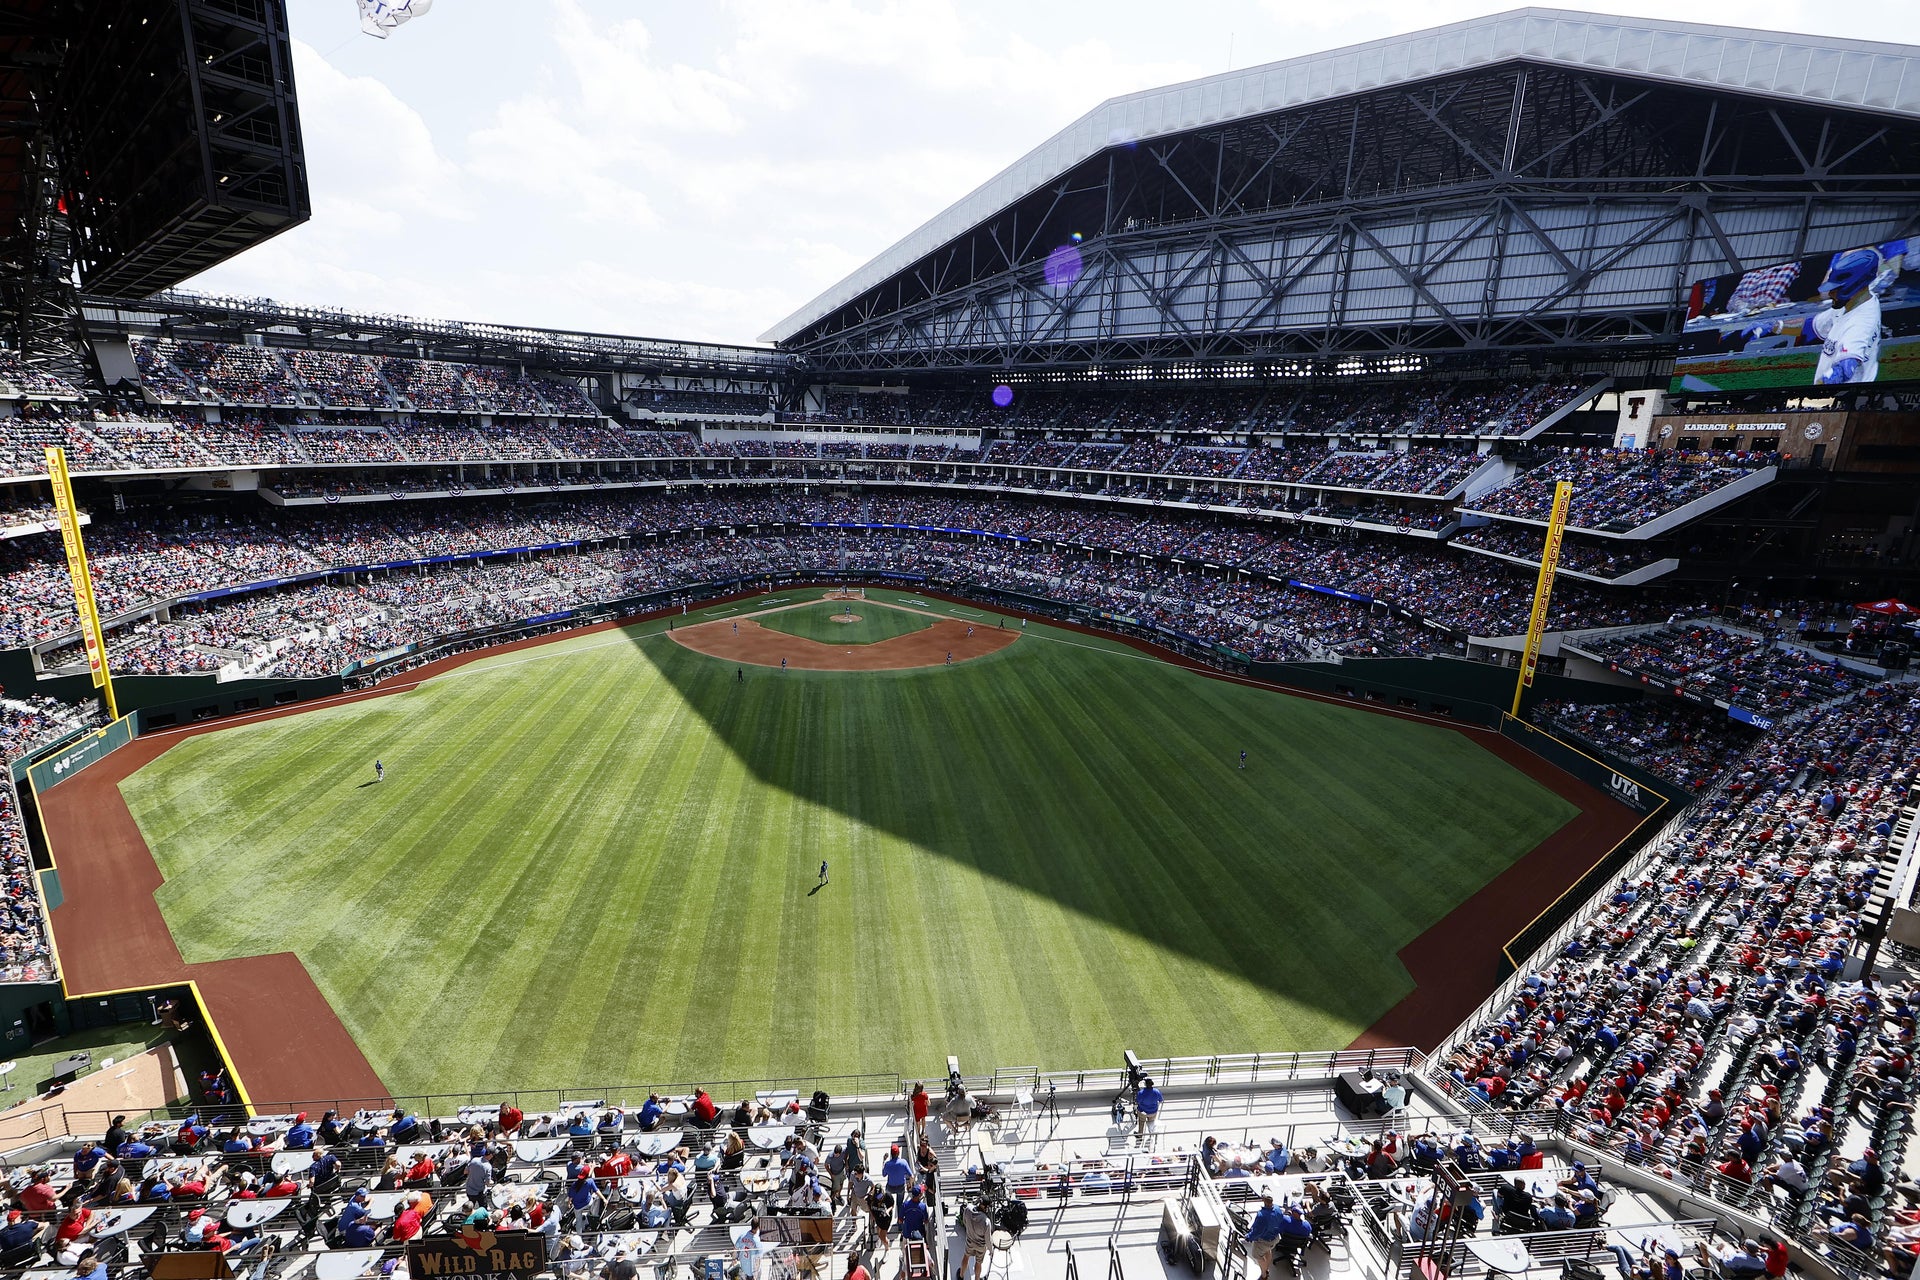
x=1859, y=74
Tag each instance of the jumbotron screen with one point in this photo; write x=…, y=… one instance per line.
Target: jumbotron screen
x=1831, y=320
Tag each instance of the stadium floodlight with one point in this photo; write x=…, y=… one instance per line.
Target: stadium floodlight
x=377, y=17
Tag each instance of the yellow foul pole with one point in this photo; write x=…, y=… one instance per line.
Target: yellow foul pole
x=1543, y=591
x=82, y=579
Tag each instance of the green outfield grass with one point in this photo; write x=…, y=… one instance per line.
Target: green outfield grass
x=815, y=622
x=593, y=863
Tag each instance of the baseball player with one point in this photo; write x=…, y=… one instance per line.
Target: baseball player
x=1849, y=326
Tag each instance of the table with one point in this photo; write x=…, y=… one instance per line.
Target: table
x=345, y=1264
x=252, y=1213
x=290, y=1161
x=538, y=1150
x=778, y=1098
x=1500, y=1253
x=1658, y=1236
x=655, y=1144
x=1281, y=1186
x=768, y=1137
x=185, y=1166
x=116, y=1222
x=382, y=1205
x=760, y=1175
x=70, y=1066
x=262, y=1126
x=477, y=1115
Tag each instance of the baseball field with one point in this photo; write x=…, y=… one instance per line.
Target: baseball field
x=596, y=862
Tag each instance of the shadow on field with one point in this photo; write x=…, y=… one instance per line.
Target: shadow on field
x=1095, y=784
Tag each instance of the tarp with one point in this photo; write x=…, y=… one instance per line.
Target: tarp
x=1890, y=608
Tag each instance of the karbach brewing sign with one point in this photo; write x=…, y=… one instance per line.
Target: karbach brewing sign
x=473, y=1253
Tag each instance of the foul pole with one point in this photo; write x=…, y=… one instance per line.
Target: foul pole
x=83, y=603
x=1543, y=591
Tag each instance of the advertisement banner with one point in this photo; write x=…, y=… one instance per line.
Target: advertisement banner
x=471, y=1254
x=51, y=770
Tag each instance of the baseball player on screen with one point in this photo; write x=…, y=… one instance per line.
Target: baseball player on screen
x=1849, y=326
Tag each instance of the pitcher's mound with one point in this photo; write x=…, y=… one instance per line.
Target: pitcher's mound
x=844, y=617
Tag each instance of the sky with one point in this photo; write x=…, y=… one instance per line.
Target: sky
x=698, y=171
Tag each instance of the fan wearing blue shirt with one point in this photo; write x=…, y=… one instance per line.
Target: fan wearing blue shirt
x=913, y=1216
x=1263, y=1233
x=1146, y=1108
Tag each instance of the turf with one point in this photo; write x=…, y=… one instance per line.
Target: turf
x=594, y=863
x=34, y=1068
x=815, y=622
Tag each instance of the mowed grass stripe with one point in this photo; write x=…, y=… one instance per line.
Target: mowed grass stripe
x=593, y=864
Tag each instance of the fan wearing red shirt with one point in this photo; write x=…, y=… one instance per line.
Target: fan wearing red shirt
x=280, y=1190
x=616, y=1164
x=406, y=1223
x=73, y=1224
x=510, y=1118
x=39, y=1195
x=704, y=1112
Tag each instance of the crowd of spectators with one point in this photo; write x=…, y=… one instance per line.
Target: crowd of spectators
x=341, y=379
x=1697, y=1021
x=155, y=553
x=31, y=722
x=1596, y=558
x=1617, y=489
x=1759, y=672
x=24, y=952
x=320, y=626
x=228, y=372
x=1454, y=410
x=668, y=402
x=177, y=372
x=34, y=383
x=1678, y=740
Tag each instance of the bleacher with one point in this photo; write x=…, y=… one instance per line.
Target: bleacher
x=1696, y=1020
x=1618, y=490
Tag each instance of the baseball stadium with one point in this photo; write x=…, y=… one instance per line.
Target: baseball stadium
x=1313, y=677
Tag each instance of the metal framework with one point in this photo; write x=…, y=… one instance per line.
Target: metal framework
x=39, y=312
x=180, y=136
x=562, y=351
x=1524, y=207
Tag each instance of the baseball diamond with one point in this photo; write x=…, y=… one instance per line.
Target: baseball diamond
x=1019, y=809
